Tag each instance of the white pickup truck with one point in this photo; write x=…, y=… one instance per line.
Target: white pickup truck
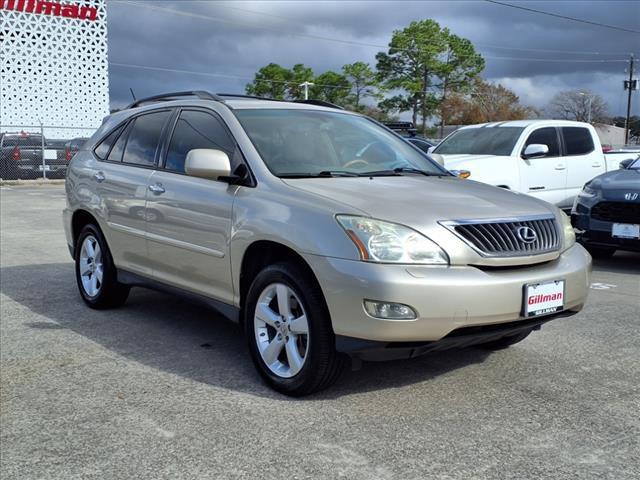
x=549, y=159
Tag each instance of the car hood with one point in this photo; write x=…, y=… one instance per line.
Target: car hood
x=418, y=201
x=459, y=160
x=628, y=180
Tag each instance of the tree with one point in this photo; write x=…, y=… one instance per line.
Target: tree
x=270, y=81
x=364, y=83
x=458, y=71
x=575, y=105
x=488, y=102
x=427, y=63
x=331, y=87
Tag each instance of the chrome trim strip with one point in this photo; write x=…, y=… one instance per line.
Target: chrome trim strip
x=166, y=240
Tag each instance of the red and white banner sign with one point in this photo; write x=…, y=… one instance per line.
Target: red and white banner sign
x=55, y=9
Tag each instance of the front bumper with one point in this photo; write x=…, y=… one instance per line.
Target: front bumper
x=597, y=233
x=445, y=298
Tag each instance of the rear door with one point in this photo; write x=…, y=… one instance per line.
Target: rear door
x=584, y=161
x=189, y=218
x=122, y=179
x=545, y=177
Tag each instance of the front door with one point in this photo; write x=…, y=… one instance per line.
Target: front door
x=189, y=218
x=545, y=177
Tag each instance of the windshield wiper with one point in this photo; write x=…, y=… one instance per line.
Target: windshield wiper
x=417, y=170
x=323, y=173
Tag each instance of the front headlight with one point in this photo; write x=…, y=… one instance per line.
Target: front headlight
x=386, y=242
x=568, y=233
x=588, y=191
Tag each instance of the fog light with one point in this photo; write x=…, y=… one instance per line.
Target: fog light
x=390, y=311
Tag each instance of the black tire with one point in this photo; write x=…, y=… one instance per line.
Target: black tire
x=111, y=294
x=601, y=252
x=322, y=364
x=505, y=342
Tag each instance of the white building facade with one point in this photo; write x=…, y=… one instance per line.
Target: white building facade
x=53, y=66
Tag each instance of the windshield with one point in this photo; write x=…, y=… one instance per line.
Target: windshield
x=635, y=165
x=480, y=141
x=298, y=143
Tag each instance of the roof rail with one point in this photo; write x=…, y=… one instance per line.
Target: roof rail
x=201, y=94
x=320, y=103
x=241, y=95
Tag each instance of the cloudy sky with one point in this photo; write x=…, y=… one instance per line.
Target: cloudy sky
x=218, y=46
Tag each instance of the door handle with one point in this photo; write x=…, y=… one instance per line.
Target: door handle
x=99, y=177
x=596, y=165
x=157, y=188
x=561, y=167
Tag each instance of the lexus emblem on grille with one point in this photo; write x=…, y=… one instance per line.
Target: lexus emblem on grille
x=630, y=196
x=526, y=234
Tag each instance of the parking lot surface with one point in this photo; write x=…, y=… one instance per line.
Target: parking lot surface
x=164, y=389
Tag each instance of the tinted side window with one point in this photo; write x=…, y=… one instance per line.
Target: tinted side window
x=102, y=150
x=144, y=139
x=546, y=136
x=577, y=140
x=196, y=129
x=424, y=146
x=115, y=155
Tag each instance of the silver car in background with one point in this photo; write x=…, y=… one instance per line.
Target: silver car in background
x=323, y=233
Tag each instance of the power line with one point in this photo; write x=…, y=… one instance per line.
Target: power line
x=216, y=75
x=556, y=15
x=337, y=40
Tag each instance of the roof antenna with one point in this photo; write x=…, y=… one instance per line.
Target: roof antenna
x=132, y=94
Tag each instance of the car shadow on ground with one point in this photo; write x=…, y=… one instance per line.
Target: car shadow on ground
x=172, y=335
x=621, y=262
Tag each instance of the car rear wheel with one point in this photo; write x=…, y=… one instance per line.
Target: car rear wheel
x=289, y=331
x=505, y=342
x=95, y=273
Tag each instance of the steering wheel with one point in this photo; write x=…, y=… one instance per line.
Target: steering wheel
x=357, y=161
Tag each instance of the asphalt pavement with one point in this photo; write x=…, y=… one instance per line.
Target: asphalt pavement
x=164, y=389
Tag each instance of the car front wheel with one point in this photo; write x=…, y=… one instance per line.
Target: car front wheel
x=289, y=331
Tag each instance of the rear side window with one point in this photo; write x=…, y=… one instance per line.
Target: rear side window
x=196, y=129
x=144, y=138
x=546, y=136
x=102, y=150
x=115, y=155
x=577, y=140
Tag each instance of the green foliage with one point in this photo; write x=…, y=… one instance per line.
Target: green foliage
x=331, y=87
x=270, y=81
x=426, y=62
x=364, y=83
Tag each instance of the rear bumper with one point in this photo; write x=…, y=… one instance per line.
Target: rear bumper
x=445, y=298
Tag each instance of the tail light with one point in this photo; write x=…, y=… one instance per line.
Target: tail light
x=68, y=154
x=15, y=154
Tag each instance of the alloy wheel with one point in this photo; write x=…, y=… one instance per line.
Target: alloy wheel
x=91, y=266
x=281, y=330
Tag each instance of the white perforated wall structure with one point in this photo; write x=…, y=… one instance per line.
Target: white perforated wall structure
x=53, y=69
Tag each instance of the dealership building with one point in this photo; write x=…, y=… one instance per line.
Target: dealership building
x=53, y=66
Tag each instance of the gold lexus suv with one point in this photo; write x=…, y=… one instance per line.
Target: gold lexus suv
x=323, y=233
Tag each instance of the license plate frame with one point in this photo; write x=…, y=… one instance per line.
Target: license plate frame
x=626, y=230
x=541, y=306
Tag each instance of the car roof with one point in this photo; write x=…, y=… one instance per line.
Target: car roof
x=527, y=123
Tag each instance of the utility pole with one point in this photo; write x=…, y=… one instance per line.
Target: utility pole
x=306, y=86
x=631, y=85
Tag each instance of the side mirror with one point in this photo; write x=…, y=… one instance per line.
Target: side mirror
x=535, y=150
x=624, y=164
x=207, y=163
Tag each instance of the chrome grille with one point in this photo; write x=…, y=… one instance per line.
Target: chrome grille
x=501, y=238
